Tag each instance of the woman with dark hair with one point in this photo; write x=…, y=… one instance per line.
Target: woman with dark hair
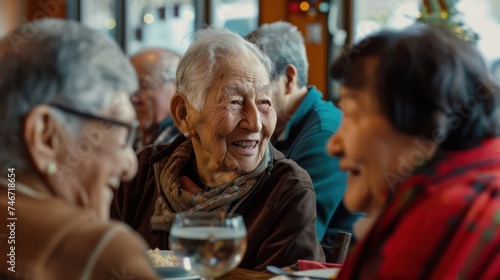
x=419, y=139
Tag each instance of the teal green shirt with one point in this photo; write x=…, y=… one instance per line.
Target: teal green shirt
x=304, y=141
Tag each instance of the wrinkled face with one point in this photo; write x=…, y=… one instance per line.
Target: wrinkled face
x=376, y=156
x=152, y=100
x=99, y=160
x=237, y=119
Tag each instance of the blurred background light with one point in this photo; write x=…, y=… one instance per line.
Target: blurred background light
x=110, y=23
x=188, y=15
x=139, y=4
x=324, y=7
x=149, y=18
x=304, y=6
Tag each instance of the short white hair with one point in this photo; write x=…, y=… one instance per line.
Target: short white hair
x=212, y=46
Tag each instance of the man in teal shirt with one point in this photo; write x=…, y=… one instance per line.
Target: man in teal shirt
x=305, y=123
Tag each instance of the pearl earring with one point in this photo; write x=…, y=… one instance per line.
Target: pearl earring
x=186, y=134
x=50, y=168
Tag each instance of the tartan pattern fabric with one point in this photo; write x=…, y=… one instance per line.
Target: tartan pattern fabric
x=443, y=222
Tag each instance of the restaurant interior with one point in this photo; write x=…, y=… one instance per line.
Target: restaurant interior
x=329, y=29
x=328, y=26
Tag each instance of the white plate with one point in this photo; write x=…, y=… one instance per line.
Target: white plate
x=324, y=272
x=172, y=272
x=280, y=277
x=190, y=277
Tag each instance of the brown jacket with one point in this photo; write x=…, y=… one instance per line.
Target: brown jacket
x=49, y=239
x=279, y=213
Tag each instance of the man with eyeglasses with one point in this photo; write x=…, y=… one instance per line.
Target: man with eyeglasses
x=155, y=69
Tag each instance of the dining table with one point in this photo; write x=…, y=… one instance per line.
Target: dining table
x=246, y=274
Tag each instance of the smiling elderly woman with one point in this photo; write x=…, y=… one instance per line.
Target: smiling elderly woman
x=223, y=161
x=420, y=140
x=66, y=127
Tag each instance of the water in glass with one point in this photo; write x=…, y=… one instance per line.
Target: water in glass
x=209, y=245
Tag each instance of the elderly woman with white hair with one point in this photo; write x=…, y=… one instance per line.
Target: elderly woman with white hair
x=66, y=125
x=223, y=160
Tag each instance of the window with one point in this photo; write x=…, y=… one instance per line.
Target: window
x=241, y=16
x=373, y=15
x=482, y=16
x=166, y=24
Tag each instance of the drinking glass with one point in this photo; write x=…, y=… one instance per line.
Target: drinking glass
x=208, y=244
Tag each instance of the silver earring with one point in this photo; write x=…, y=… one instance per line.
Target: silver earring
x=186, y=134
x=50, y=168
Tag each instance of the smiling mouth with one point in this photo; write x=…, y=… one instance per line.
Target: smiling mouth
x=353, y=172
x=246, y=144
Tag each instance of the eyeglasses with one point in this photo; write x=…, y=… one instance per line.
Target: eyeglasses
x=147, y=86
x=132, y=127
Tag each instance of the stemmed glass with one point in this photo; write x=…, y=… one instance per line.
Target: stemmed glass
x=208, y=244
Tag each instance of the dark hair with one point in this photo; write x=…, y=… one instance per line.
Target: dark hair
x=428, y=82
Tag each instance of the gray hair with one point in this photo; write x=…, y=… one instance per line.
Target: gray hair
x=55, y=61
x=169, y=61
x=212, y=47
x=284, y=44
x=165, y=68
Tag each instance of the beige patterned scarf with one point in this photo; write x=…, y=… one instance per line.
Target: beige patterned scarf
x=172, y=199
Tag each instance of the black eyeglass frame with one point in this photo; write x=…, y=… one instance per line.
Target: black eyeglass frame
x=132, y=127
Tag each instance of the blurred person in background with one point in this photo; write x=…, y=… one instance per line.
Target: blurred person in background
x=66, y=131
x=155, y=69
x=420, y=142
x=222, y=161
x=305, y=123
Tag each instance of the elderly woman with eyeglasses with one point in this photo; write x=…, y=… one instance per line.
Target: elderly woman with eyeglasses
x=223, y=162
x=66, y=128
